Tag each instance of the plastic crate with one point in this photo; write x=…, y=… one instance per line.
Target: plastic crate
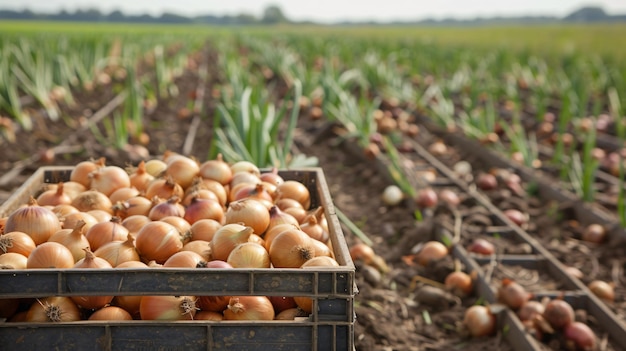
x=330, y=326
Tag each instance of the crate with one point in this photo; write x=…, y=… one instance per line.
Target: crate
x=329, y=327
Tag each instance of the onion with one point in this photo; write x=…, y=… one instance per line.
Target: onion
x=155, y=167
x=208, y=316
x=479, y=321
x=185, y=259
x=449, y=197
x=392, y=195
x=81, y=171
x=249, y=255
x=321, y=249
x=171, y=207
x=71, y=220
x=580, y=335
x=16, y=242
x=426, y=198
x=282, y=303
x=8, y=307
x=292, y=189
x=123, y=194
x=192, y=194
x=530, y=309
x=200, y=209
x=512, y=294
x=245, y=167
x=201, y=247
x=73, y=239
x=594, y=233
x=92, y=302
x=101, y=215
x=111, y=313
x=249, y=308
x=278, y=216
x=53, y=309
x=289, y=314
x=118, y=252
x=50, y=255
x=169, y=308
x=217, y=170
x=13, y=260
x=137, y=205
x=558, y=313
x=107, y=179
x=204, y=229
x=486, y=181
x=438, y=148
x=106, y=232
x=130, y=303
x=516, y=216
x=272, y=232
x=227, y=238
x=37, y=221
x=306, y=303
x=361, y=252
x=135, y=222
x=181, y=224
x=140, y=178
x=314, y=229
x=481, y=246
x=272, y=177
x=462, y=168
x=182, y=169
x=214, y=303
x=164, y=188
x=431, y=251
x=603, y=290
x=291, y=249
x=250, y=213
x=212, y=186
x=63, y=210
x=254, y=191
x=285, y=203
x=158, y=241
x=460, y=283
x=92, y=200
x=54, y=197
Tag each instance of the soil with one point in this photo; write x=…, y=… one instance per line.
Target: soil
x=391, y=312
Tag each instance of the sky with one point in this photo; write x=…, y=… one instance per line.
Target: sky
x=328, y=10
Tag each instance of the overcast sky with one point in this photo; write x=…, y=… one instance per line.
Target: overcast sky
x=328, y=10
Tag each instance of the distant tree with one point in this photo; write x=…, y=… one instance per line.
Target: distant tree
x=273, y=15
x=587, y=14
x=168, y=17
x=90, y=15
x=116, y=16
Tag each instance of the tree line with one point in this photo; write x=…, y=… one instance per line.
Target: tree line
x=274, y=15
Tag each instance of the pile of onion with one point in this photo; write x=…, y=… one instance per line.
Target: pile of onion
x=173, y=212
